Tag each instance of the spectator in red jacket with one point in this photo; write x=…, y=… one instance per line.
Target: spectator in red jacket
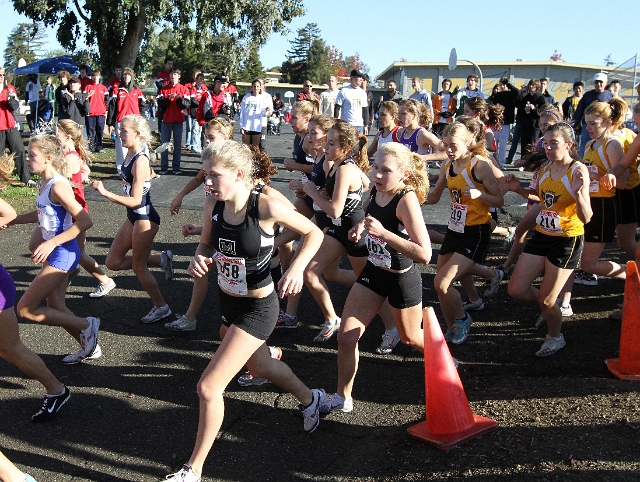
x=164, y=78
x=97, y=94
x=127, y=99
x=9, y=134
x=173, y=99
x=307, y=92
x=211, y=103
x=197, y=91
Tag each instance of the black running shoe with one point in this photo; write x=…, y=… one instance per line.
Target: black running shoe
x=51, y=405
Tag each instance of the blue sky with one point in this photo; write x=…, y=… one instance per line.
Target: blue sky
x=420, y=31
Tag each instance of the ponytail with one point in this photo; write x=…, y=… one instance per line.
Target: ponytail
x=361, y=157
x=263, y=167
x=619, y=109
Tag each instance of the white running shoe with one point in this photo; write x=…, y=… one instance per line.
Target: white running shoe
x=78, y=356
x=311, y=414
x=181, y=324
x=89, y=336
x=473, y=305
x=389, y=341
x=103, y=290
x=167, y=266
x=167, y=146
x=328, y=329
x=335, y=403
x=186, y=474
x=551, y=346
x=494, y=283
x=157, y=313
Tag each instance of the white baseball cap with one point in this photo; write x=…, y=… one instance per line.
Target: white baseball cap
x=600, y=76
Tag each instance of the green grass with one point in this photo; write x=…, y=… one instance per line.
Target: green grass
x=22, y=198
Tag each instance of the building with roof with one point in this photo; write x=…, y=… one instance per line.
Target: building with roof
x=561, y=75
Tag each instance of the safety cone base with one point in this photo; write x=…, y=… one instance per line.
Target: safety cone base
x=613, y=364
x=448, y=441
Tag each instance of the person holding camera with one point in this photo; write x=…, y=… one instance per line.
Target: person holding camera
x=444, y=108
x=506, y=95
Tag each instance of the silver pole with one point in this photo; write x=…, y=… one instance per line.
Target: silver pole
x=479, y=70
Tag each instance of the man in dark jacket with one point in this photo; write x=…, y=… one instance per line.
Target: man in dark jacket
x=506, y=95
x=74, y=104
x=527, y=117
x=391, y=94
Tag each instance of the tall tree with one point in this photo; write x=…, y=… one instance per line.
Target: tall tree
x=295, y=69
x=300, y=46
x=252, y=67
x=25, y=42
x=119, y=27
x=318, y=67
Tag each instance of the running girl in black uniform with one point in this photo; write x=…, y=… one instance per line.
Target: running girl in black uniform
x=341, y=200
x=396, y=235
x=238, y=236
x=218, y=129
x=318, y=127
x=143, y=221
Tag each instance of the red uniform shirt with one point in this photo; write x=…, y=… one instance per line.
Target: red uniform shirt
x=7, y=121
x=174, y=110
x=209, y=106
x=114, y=83
x=97, y=104
x=84, y=81
x=128, y=102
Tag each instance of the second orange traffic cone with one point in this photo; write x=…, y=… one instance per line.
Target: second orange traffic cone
x=450, y=421
x=627, y=367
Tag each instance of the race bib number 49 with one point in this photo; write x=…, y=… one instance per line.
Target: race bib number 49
x=457, y=217
x=232, y=273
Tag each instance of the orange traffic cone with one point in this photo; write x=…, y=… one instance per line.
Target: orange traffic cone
x=450, y=421
x=627, y=367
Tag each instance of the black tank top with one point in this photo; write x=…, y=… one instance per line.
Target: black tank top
x=380, y=253
x=352, y=212
x=126, y=174
x=243, y=251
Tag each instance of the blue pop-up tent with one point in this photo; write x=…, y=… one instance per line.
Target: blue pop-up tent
x=50, y=66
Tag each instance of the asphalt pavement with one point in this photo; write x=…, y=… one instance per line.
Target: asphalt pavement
x=133, y=413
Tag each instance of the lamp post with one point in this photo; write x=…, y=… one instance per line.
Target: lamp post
x=453, y=63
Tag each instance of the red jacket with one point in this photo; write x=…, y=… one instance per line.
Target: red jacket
x=7, y=105
x=196, y=95
x=125, y=102
x=173, y=107
x=97, y=104
x=84, y=81
x=305, y=96
x=209, y=106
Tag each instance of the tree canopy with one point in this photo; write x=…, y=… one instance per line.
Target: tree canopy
x=311, y=58
x=24, y=42
x=118, y=28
